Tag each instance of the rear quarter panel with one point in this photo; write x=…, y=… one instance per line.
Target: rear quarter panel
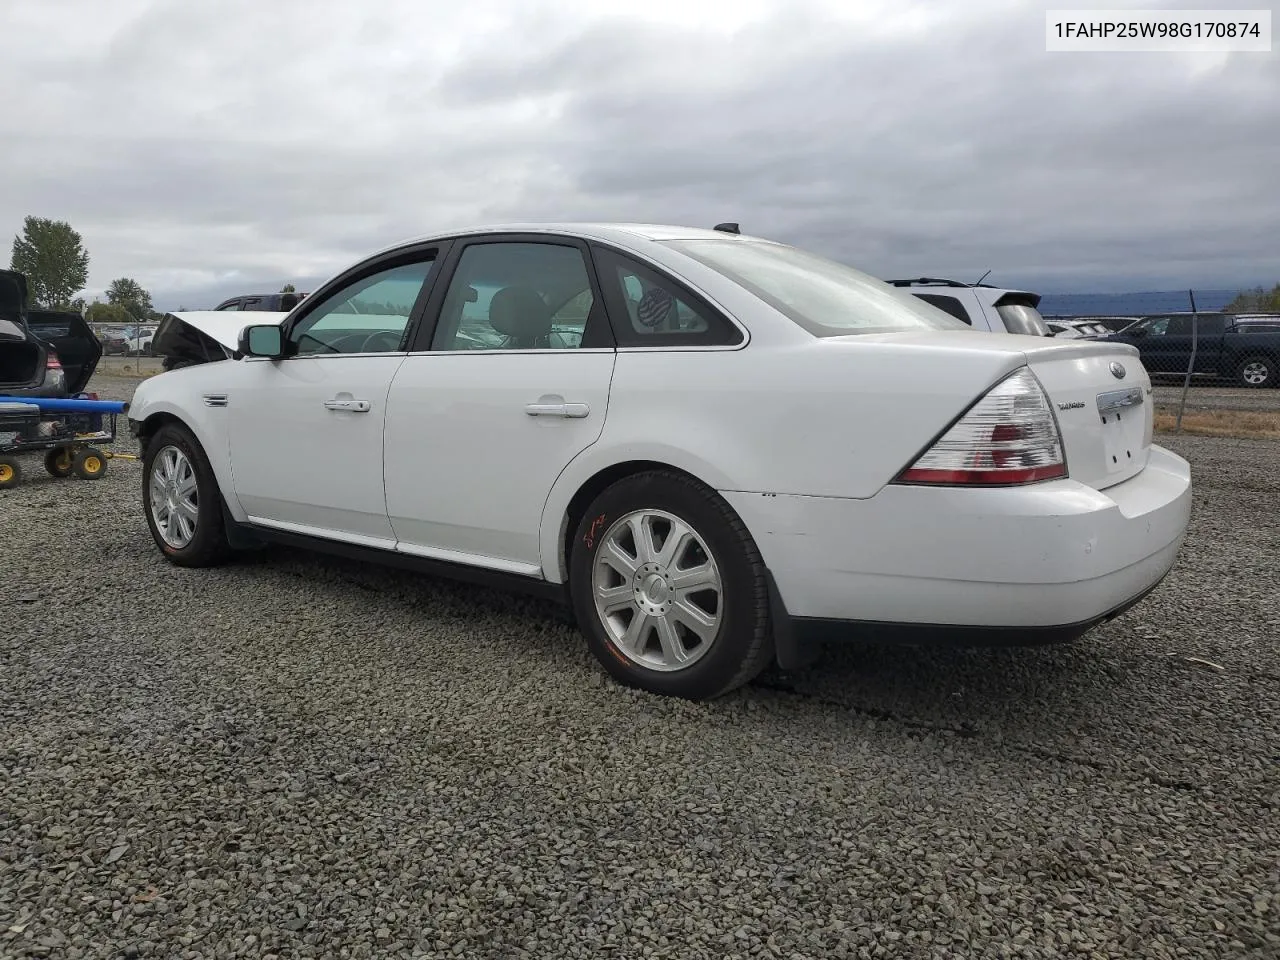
x=823, y=419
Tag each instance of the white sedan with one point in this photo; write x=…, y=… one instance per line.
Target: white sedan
x=717, y=449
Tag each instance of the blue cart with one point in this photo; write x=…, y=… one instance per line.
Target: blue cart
x=67, y=430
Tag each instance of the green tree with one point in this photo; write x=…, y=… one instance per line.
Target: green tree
x=53, y=258
x=1257, y=300
x=288, y=288
x=111, y=313
x=130, y=294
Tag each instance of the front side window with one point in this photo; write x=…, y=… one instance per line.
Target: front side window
x=368, y=315
x=826, y=298
x=1156, y=327
x=516, y=296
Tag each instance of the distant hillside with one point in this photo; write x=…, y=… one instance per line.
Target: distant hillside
x=1131, y=304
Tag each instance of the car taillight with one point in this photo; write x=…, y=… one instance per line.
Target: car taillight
x=51, y=361
x=1008, y=437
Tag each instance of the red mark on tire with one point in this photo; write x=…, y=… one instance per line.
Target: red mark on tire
x=589, y=538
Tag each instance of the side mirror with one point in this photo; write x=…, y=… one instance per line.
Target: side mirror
x=262, y=340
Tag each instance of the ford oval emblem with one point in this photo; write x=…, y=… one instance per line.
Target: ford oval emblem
x=1117, y=370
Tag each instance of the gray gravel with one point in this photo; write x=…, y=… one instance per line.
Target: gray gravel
x=299, y=757
x=1203, y=397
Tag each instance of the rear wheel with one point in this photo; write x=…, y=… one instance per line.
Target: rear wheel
x=1256, y=372
x=10, y=472
x=181, y=500
x=669, y=588
x=58, y=462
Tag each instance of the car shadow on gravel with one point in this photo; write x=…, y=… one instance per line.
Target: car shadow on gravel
x=960, y=689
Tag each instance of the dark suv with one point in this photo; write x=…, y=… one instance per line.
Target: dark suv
x=270, y=302
x=43, y=353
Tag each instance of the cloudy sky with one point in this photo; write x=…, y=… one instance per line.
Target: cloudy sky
x=211, y=147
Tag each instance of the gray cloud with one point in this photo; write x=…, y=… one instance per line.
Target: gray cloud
x=210, y=148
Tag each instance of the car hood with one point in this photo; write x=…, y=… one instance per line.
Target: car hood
x=224, y=326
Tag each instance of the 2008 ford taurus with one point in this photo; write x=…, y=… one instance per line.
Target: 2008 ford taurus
x=716, y=448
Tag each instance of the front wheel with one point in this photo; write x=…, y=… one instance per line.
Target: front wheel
x=1256, y=372
x=669, y=588
x=181, y=500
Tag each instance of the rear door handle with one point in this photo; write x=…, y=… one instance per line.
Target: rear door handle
x=348, y=406
x=573, y=411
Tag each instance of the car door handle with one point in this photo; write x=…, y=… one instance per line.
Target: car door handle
x=348, y=406
x=574, y=411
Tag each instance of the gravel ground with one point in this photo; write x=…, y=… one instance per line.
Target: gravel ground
x=1201, y=397
x=299, y=757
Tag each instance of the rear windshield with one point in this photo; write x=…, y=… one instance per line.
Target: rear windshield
x=826, y=298
x=1021, y=318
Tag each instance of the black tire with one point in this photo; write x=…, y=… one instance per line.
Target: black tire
x=89, y=463
x=742, y=645
x=58, y=462
x=10, y=472
x=1248, y=370
x=208, y=546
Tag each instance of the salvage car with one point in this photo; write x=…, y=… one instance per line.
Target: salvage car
x=720, y=451
x=43, y=353
x=1225, y=347
x=981, y=305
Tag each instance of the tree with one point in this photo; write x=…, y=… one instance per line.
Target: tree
x=288, y=288
x=53, y=258
x=1257, y=300
x=130, y=294
x=111, y=313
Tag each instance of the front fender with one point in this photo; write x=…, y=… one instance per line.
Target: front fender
x=180, y=394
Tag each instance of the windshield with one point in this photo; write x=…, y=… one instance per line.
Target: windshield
x=826, y=298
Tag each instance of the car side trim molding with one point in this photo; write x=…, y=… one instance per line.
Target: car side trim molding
x=471, y=559
x=253, y=533
x=376, y=543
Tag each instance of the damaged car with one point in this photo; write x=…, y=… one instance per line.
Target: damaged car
x=43, y=353
x=201, y=336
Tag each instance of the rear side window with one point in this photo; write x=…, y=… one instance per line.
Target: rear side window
x=518, y=295
x=650, y=309
x=948, y=304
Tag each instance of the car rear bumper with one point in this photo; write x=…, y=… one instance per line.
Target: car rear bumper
x=1032, y=564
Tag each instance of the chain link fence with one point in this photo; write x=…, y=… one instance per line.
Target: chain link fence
x=1213, y=372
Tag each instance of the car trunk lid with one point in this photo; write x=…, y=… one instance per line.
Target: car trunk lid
x=20, y=358
x=77, y=348
x=1101, y=395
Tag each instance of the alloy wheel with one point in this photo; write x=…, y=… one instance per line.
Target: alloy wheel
x=1255, y=373
x=175, y=500
x=657, y=590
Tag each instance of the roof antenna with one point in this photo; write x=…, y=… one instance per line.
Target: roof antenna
x=983, y=277
x=727, y=228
